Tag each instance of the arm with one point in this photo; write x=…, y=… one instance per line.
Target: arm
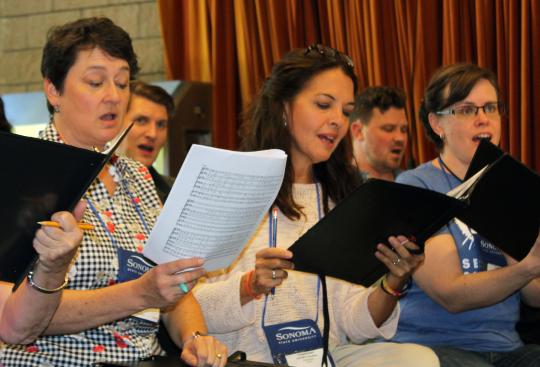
x=183, y=320
x=271, y=265
x=381, y=304
x=354, y=316
x=81, y=310
x=26, y=312
x=531, y=292
x=442, y=278
x=220, y=304
x=226, y=304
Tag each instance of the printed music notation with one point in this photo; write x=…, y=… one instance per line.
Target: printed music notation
x=217, y=201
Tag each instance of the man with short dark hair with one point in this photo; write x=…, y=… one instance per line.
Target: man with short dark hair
x=150, y=109
x=379, y=132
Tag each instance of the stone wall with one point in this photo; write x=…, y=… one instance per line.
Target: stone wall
x=24, y=25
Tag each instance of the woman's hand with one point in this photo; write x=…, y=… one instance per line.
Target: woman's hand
x=57, y=246
x=271, y=265
x=204, y=351
x=164, y=284
x=399, y=261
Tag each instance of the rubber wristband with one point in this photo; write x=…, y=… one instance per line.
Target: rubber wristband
x=41, y=289
x=391, y=291
x=247, y=286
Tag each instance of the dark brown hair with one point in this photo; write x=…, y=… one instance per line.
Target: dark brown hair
x=381, y=97
x=64, y=43
x=153, y=93
x=449, y=85
x=264, y=128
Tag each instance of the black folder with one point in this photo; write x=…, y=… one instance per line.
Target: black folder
x=39, y=178
x=502, y=203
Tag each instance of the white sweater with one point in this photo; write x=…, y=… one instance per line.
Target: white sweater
x=239, y=327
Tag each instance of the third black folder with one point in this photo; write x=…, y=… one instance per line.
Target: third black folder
x=503, y=205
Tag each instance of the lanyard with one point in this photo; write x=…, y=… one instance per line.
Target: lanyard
x=133, y=202
x=444, y=168
x=270, y=232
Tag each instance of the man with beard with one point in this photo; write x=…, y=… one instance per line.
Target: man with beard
x=379, y=132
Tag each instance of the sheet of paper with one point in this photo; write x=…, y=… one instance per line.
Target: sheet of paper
x=462, y=190
x=215, y=205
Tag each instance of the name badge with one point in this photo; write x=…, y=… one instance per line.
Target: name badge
x=296, y=343
x=131, y=265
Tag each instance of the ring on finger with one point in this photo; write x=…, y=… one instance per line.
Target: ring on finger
x=274, y=276
x=396, y=261
x=183, y=287
x=218, y=356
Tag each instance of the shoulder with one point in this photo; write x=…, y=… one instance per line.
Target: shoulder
x=425, y=175
x=362, y=176
x=167, y=180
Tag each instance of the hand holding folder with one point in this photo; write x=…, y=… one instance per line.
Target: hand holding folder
x=343, y=243
x=501, y=202
x=39, y=178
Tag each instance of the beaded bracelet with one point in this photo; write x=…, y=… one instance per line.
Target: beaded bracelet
x=39, y=288
x=247, y=286
x=391, y=291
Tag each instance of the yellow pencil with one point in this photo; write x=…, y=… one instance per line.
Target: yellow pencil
x=83, y=226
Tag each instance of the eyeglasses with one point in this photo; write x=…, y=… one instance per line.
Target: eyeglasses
x=330, y=52
x=492, y=109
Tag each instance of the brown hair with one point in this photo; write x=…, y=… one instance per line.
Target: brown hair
x=153, y=93
x=64, y=43
x=264, y=128
x=381, y=97
x=449, y=85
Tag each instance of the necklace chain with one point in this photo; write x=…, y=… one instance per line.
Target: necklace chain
x=445, y=167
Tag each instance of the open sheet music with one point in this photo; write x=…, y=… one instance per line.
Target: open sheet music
x=215, y=205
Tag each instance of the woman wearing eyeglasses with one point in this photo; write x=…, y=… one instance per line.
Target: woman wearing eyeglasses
x=303, y=108
x=464, y=301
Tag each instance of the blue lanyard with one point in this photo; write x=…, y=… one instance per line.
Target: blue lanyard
x=136, y=206
x=102, y=223
x=319, y=214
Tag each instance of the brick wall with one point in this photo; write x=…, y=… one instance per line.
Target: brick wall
x=24, y=25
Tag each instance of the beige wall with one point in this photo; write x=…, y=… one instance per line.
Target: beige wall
x=24, y=25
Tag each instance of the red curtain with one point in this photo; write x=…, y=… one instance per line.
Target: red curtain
x=233, y=44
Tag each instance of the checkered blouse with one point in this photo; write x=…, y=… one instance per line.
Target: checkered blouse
x=96, y=266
